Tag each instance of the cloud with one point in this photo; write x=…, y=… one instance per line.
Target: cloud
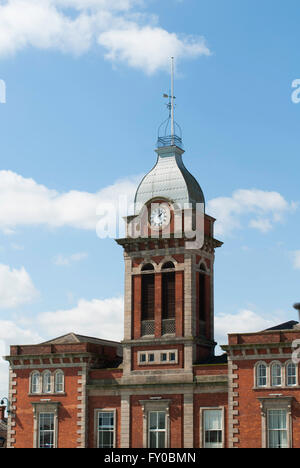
x=245, y=321
x=63, y=260
x=149, y=48
x=75, y=26
x=12, y=334
x=24, y=202
x=296, y=259
x=265, y=209
x=100, y=317
x=16, y=287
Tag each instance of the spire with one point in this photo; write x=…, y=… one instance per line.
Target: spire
x=169, y=133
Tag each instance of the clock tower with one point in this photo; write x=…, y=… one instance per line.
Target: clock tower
x=169, y=252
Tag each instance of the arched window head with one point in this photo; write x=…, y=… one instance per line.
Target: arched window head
x=261, y=375
x=168, y=266
x=202, y=267
x=59, y=382
x=148, y=267
x=35, y=382
x=47, y=382
x=276, y=377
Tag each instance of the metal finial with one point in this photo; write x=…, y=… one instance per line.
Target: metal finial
x=297, y=306
x=171, y=128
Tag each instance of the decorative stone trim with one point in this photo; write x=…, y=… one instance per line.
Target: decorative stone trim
x=274, y=403
x=125, y=420
x=233, y=394
x=12, y=391
x=96, y=433
x=82, y=414
x=155, y=405
x=45, y=407
x=188, y=420
x=201, y=431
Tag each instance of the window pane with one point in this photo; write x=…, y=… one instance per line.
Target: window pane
x=291, y=374
x=212, y=425
x=46, y=430
x=277, y=429
x=261, y=375
x=153, y=421
x=161, y=421
x=161, y=439
x=47, y=382
x=35, y=383
x=157, y=429
x=59, y=382
x=106, y=426
x=152, y=442
x=276, y=375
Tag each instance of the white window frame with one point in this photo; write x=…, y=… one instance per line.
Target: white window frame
x=40, y=408
x=97, y=412
x=38, y=385
x=157, y=430
x=56, y=374
x=287, y=364
x=157, y=357
x=276, y=403
x=150, y=406
x=256, y=376
x=49, y=413
x=269, y=411
x=202, y=421
x=277, y=364
x=46, y=374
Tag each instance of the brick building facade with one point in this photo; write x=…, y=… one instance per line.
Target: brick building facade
x=162, y=386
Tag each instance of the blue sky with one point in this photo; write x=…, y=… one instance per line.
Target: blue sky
x=83, y=104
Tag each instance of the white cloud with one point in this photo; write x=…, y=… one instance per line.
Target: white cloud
x=12, y=334
x=149, y=48
x=245, y=321
x=24, y=202
x=16, y=287
x=296, y=259
x=64, y=260
x=75, y=26
x=101, y=318
x=265, y=209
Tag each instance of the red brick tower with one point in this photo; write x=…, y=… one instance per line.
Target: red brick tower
x=169, y=310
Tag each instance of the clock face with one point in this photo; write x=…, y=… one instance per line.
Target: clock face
x=160, y=217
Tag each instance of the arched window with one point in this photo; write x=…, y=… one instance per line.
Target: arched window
x=35, y=382
x=148, y=297
x=261, y=375
x=168, y=295
x=148, y=267
x=168, y=266
x=291, y=374
x=276, y=375
x=59, y=382
x=202, y=297
x=47, y=382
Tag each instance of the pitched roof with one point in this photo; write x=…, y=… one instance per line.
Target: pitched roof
x=284, y=326
x=73, y=338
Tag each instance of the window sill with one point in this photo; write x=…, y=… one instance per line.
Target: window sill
x=274, y=389
x=47, y=394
